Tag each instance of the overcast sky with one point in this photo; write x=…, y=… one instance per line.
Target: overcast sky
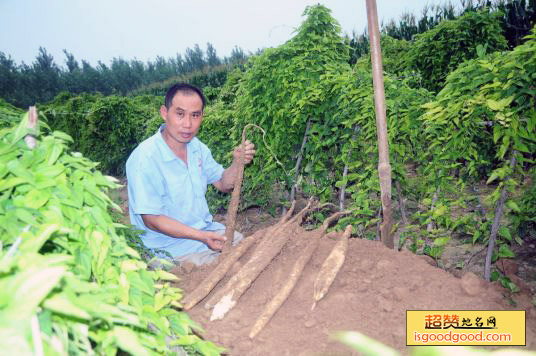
x=101, y=30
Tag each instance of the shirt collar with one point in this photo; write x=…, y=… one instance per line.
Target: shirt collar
x=167, y=153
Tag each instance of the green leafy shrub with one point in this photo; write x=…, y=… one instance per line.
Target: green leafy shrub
x=523, y=213
x=481, y=119
x=70, y=283
x=439, y=51
x=9, y=115
x=281, y=90
x=105, y=128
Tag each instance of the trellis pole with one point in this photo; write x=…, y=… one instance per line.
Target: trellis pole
x=384, y=168
x=32, y=125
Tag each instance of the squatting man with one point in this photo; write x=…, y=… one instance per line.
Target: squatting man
x=168, y=174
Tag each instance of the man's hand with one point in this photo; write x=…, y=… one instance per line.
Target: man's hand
x=250, y=152
x=226, y=183
x=213, y=240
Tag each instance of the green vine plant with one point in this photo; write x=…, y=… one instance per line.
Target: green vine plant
x=479, y=128
x=70, y=282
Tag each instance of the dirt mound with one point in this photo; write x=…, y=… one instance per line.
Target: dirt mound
x=371, y=294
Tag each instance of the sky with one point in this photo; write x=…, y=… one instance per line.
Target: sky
x=99, y=30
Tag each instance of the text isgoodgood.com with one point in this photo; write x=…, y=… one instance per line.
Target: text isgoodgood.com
x=461, y=337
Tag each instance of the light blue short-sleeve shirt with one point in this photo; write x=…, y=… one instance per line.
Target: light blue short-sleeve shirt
x=160, y=183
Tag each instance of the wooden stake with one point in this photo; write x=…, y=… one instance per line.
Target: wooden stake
x=30, y=140
x=384, y=168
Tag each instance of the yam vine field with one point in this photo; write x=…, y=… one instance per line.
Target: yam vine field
x=461, y=109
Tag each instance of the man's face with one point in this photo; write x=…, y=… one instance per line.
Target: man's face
x=183, y=118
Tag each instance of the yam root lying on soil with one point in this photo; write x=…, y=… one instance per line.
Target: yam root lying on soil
x=293, y=277
x=274, y=229
x=227, y=261
x=331, y=267
x=227, y=297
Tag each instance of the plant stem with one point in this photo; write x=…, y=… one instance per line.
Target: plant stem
x=497, y=219
x=402, y=212
x=298, y=164
x=480, y=203
x=345, y=171
x=430, y=225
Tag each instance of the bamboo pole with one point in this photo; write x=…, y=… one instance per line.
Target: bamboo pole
x=384, y=168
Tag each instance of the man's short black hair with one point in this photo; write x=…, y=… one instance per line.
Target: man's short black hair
x=186, y=89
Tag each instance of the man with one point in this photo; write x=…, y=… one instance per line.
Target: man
x=167, y=180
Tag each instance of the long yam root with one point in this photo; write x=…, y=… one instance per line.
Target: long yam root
x=221, y=269
x=226, y=263
x=331, y=267
x=295, y=274
x=227, y=297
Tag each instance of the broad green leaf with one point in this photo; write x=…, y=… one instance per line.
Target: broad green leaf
x=476, y=235
x=34, y=243
x=505, y=251
x=61, y=304
x=520, y=146
x=494, y=105
x=442, y=241
x=494, y=175
x=129, y=265
x=512, y=286
x=124, y=288
x=186, y=340
x=62, y=135
x=165, y=276
x=497, y=132
x=364, y=344
x=28, y=288
x=128, y=341
x=505, y=232
x=11, y=182
x=24, y=215
x=513, y=205
x=36, y=198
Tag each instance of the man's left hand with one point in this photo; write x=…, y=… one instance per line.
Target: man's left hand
x=249, y=153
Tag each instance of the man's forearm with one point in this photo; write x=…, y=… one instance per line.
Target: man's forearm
x=228, y=178
x=227, y=181
x=171, y=227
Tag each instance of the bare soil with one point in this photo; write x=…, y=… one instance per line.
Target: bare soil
x=371, y=294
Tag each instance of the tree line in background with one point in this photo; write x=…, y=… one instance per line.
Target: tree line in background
x=517, y=17
x=23, y=85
